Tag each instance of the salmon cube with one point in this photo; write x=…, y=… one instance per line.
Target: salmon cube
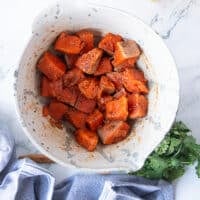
x=94, y=120
x=76, y=117
x=84, y=104
x=69, y=44
x=69, y=95
x=71, y=59
x=99, y=93
x=89, y=87
x=113, y=131
x=102, y=102
x=116, y=78
x=134, y=81
x=108, y=42
x=136, y=74
x=45, y=111
x=51, y=66
x=117, y=109
x=106, y=85
x=126, y=52
x=87, y=139
x=57, y=110
x=55, y=87
x=88, y=38
x=120, y=93
x=137, y=106
x=72, y=77
x=50, y=88
x=89, y=61
x=44, y=87
x=126, y=64
x=55, y=123
x=104, y=67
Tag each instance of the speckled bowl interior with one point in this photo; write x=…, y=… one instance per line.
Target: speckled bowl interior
x=156, y=62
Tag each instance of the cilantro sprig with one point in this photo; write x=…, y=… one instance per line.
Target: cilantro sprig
x=169, y=159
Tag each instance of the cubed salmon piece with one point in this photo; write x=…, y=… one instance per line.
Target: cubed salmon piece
x=55, y=88
x=117, y=109
x=50, y=88
x=116, y=78
x=51, y=66
x=120, y=93
x=113, y=131
x=94, y=120
x=45, y=111
x=72, y=77
x=71, y=59
x=89, y=61
x=89, y=87
x=55, y=123
x=99, y=93
x=106, y=85
x=76, y=117
x=87, y=139
x=104, y=67
x=102, y=102
x=126, y=64
x=84, y=104
x=88, y=38
x=69, y=95
x=57, y=110
x=136, y=74
x=126, y=52
x=69, y=44
x=134, y=81
x=137, y=106
x=44, y=87
x=108, y=42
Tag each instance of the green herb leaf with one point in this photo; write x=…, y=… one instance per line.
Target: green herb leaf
x=162, y=149
x=174, y=173
x=198, y=169
x=176, y=151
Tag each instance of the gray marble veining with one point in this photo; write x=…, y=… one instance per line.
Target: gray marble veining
x=164, y=24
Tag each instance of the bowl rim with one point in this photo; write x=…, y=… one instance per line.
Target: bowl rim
x=87, y=169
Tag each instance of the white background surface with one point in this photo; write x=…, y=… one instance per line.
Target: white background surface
x=176, y=21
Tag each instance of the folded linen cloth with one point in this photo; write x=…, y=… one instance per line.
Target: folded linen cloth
x=25, y=180
x=112, y=187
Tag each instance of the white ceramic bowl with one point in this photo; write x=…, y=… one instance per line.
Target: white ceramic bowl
x=156, y=62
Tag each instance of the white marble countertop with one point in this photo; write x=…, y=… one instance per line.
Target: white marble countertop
x=176, y=21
